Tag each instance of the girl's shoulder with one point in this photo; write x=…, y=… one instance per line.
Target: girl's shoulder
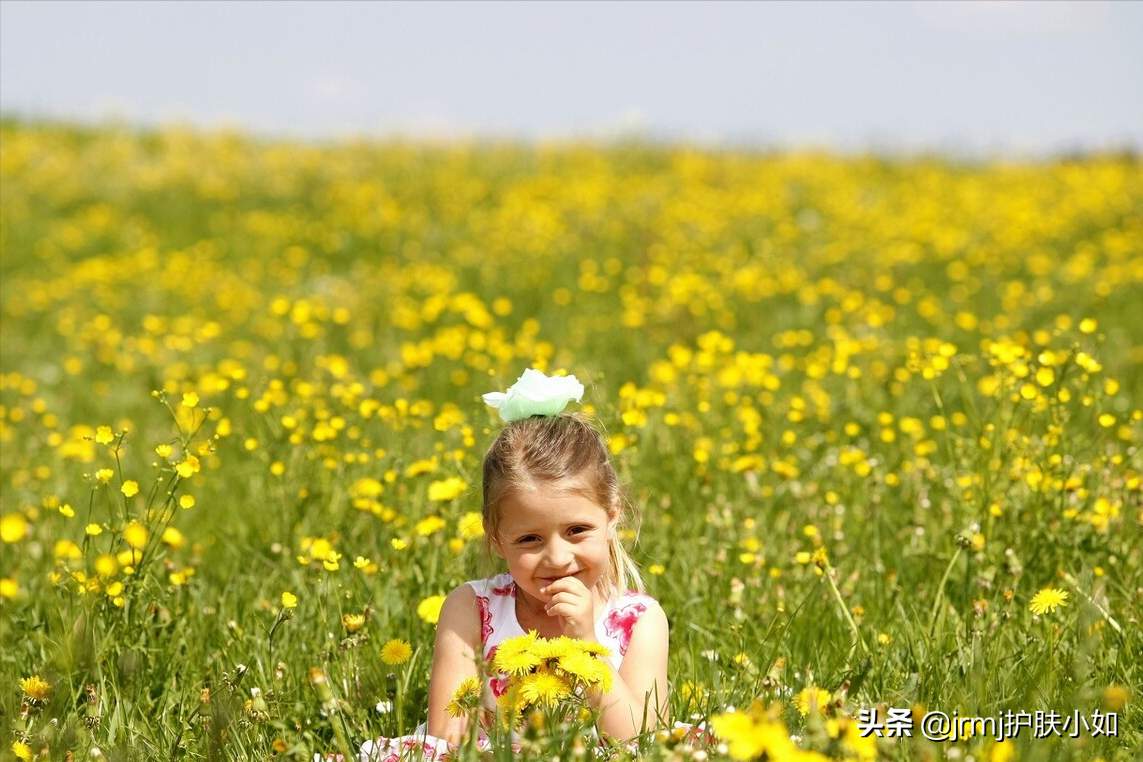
x=500, y=586
x=632, y=598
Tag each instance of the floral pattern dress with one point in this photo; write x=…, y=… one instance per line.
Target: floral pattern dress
x=496, y=602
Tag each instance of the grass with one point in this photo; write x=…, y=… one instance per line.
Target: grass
x=868, y=409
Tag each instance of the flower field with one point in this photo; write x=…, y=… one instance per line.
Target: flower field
x=881, y=417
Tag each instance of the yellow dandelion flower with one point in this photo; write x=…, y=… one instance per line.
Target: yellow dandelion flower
x=429, y=526
x=1048, y=600
x=515, y=656
x=446, y=489
x=812, y=699
x=544, y=688
x=584, y=669
x=35, y=687
x=130, y=488
x=471, y=526
x=396, y=652
x=430, y=608
x=289, y=600
x=352, y=622
x=466, y=697
x=22, y=751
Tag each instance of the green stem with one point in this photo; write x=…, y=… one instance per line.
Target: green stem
x=828, y=573
x=941, y=592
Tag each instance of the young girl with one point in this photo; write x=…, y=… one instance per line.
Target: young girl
x=552, y=510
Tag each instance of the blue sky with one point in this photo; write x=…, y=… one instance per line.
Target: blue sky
x=967, y=76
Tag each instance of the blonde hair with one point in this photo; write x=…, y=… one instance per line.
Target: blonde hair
x=568, y=454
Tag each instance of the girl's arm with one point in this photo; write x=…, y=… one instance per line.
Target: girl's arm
x=454, y=659
x=638, y=698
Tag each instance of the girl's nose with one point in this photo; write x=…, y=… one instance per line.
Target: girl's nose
x=558, y=554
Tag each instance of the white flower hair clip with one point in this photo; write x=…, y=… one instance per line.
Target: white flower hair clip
x=535, y=394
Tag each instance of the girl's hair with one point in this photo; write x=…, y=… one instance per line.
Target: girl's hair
x=565, y=453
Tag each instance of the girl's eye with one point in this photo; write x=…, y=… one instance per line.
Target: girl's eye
x=579, y=530
x=528, y=538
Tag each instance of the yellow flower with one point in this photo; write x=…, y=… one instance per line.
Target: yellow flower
x=352, y=622
x=130, y=488
x=466, y=697
x=22, y=751
x=94, y=530
x=1048, y=600
x=9, y=588
x=446, y=489
x=396, y=652
x=13, y=527
x=544, y=688
x=812, y=699
x=429, y=526
x=103, y=435
x=514, y=656
x=104, y=475
x=430, y=608
x=190, y=399
x=188, y=467
x=289, y=600
x=136, y=535
x=173, y=538
x=186, y=502
x=471, y=526
x=164, y=451
x=35, y=687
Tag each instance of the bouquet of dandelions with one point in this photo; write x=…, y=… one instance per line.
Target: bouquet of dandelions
x=546, y=682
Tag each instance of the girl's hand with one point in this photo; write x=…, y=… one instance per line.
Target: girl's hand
x=574, y=604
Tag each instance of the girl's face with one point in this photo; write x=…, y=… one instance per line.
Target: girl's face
x=547, y=535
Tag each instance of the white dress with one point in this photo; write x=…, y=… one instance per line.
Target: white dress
x=496, y=602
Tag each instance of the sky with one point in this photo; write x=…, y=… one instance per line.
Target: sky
x=970, y=76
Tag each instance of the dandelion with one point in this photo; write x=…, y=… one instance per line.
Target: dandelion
x=35, y=687
x=396, y=652
x=289, y=600
x=430, y=608
x=130, y=488
x=515, y=657
x=22, y=751
x=352, y=622
x=544, y=688
x=1048, y=600
x=466, y=697
x=812, y=699
x=446, y=489
x=471, y=526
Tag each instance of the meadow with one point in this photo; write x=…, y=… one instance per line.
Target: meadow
x=881, y=418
